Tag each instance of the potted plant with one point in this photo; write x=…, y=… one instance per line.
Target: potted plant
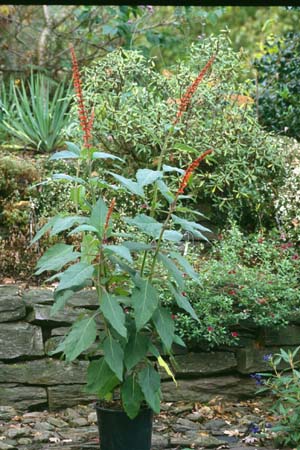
x=127, y=269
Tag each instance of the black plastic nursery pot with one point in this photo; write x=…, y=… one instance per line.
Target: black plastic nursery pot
x=118, y=432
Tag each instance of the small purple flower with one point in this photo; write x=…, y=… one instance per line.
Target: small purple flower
x=257, y=378
x=267, y=357
x=254, y=428
x=268, y=425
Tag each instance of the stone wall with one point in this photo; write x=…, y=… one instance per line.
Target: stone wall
x=31, y=379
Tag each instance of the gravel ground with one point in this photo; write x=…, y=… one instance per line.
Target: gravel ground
x=179, y=426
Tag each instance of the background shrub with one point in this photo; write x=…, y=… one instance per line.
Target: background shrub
x=278, y=73
x=135, y=106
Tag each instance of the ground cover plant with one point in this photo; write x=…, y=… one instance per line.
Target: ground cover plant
x=284, y=386
x=246, y=281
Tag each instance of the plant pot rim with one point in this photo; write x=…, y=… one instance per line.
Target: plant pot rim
x=103, y=407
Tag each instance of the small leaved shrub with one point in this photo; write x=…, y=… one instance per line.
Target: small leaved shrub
x=279, y=85
x=253, y=280
x=135, y=107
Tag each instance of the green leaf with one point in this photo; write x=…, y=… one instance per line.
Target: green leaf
x=186, y=148
x=65, y=154
x=149, y=381
x=103, y=155
x=132, y=396
x=146, y=224
x=183, y=303
x=81, y=336
x=172, y=169
x=186, y=266
x=137, y=246
x=132, y=186
x=190, y=226
x=177, y=340
x=113, y=312
x=56, y=257
x=98, y=216
x=165, y=191
x=60, y=299
x=89, y=248
x=64, y=223
x=172, y=269
x=75, y=275
x=63, y=176
x=101, y=380
x=44, y=230
x=164, y=325
x=84, y=227
x=136, y=349
x=144, y=300
x=172, y=235
x=119, y=250
x=147, y=176
x=73, y=147
x=114, y=356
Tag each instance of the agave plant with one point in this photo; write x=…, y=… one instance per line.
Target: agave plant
x=40, y=113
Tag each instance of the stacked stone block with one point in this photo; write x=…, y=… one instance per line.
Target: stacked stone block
x=31, y=379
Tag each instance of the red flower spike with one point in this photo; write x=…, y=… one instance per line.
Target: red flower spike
x=85, y=123
x=109, y=213
x=186, y=98
x=191, y=168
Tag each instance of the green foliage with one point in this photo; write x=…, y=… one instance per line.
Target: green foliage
x=16, y=176
x=284, y=386
x=135, y=105
x=245, y=280
x=279, y=86
x=125, y=267
x=38, y=115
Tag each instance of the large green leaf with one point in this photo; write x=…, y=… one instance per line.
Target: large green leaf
x=132, y=396
x=56, y=257
x=89, y=248
x=101, y=380
x=113, y=312
x=130, y=185
x=191, y=226
x=172, y=235
x=65, y=154
x=186, y=266
x=119, y=250
x=98, y=216
x=81, y=336
x=136, y=349
x=172, y=269
x=165, y=191
x=82, y=228
x=149, y=381
x=64, y=223
x=183, y=302
x=137, y=246
x=144, y=300
x=60, y=299
x=65, y=177
x=75, y=275
x=146, y=224
x=103, y=155
x=172, y=169
x=147, y=176
x=164, y=325
x=72, y=147
x=114, y=356
x=44, y=229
